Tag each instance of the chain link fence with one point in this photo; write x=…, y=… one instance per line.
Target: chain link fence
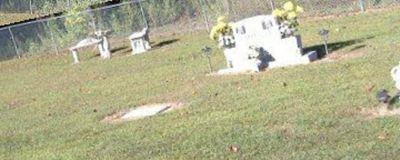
x=55, y=35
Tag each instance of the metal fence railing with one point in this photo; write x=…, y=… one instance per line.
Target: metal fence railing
x=57, y=34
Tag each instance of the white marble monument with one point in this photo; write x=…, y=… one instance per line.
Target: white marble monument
x=395, y=72
x=140, y=41
x=258, y=43
x=101, y=41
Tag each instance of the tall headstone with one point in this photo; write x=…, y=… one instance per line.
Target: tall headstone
x=258, y=43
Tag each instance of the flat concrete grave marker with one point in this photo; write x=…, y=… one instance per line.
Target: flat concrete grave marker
x=100, y=40
x=143, y=112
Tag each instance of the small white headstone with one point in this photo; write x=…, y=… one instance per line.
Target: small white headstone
x=140, y=41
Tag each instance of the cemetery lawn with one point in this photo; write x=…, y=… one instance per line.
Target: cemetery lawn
x=51, y=109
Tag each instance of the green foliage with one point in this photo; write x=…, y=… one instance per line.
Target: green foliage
x=163, y=11
x=33, y=47
x=48, y=7
x=134, y=19
x=78, y=24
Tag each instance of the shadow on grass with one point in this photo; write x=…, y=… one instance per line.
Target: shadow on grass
x=164, y=43
x=114, y=51
x=118, y=49
x=126, y=50
x=332, y=47
x=394, y=102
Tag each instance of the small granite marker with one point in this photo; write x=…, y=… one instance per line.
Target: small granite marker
x=140, y=41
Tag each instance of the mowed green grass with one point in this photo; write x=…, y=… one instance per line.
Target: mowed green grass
x=51, y=109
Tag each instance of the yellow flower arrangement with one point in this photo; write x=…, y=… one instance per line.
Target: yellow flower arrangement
x=222, y=28
x=289, y=6
x=290, y=11
x=287, y=16
x=278, y=13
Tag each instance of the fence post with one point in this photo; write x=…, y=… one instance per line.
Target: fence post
x=228, y=7
x=92, y=19
x=272, y=3
x=143, y=14
x=30, y=6
x=14, y=43
x=69, y=4
x=231, y=10
x=205, y=16
x=52, y=38
x=362, y=5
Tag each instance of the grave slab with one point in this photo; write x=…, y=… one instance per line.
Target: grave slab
x=101, y=41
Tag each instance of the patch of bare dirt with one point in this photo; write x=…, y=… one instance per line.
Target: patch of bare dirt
x=341, y=56
x=338, y=56
x=15, y=104
x=369, y=88
x=233, y=148
x=381, y=111
x=113, y=118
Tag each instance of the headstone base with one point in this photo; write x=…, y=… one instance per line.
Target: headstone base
x=304, y=59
